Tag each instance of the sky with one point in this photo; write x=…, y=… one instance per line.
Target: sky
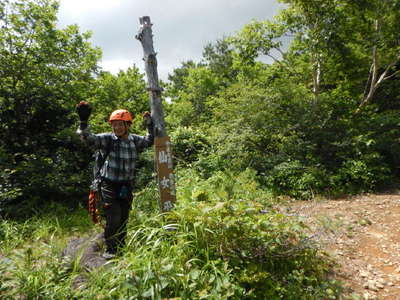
x=181, y=28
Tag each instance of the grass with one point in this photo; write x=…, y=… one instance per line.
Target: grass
x=30, y=253
x=229, y=244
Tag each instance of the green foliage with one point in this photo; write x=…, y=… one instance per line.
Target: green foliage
x=229, y=244
x=299, y=146
x=219, y=58
x=47, y=223
x=8, y=192
x=188, y=144
x=44, y=72
x=221, y=186
x=296, y=180
x=125, y=90
x=177, y=78
x=190, y=102
x=30, y=253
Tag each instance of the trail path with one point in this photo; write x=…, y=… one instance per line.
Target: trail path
x=363, y=236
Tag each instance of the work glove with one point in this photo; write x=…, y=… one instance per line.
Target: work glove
x=84, y=110
x=147, y=120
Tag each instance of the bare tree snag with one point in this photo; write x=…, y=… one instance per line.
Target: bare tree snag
x=145, y=36
x=163, y=154
x=375, y=79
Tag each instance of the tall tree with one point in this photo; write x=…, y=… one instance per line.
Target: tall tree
x=219, y=58
x=44, y=71
x=339, y=42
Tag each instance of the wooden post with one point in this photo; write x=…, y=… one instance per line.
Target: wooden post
x=163, y=154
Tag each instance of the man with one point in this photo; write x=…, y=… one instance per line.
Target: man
x=120, y=150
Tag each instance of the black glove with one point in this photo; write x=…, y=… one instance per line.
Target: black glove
x=148, y=121
x=84, y=110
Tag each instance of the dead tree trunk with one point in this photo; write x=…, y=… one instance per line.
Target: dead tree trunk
x=145, y=36
x=163, y=155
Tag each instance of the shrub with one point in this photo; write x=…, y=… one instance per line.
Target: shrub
x=227, y=244
x=296, y=180
x=188, y=144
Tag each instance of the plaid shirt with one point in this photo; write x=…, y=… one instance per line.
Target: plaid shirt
x=121, y=161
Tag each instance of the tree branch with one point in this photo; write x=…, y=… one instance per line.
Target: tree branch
x=368, y=81
x=382, y=77
x=392, y=75
x=374, y=67
x=375, y=83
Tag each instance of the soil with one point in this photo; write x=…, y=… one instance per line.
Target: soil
x=362, y=234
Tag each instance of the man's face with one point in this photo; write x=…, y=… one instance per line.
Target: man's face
x=120, y=128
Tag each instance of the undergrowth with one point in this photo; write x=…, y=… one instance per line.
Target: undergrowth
x=223, y=240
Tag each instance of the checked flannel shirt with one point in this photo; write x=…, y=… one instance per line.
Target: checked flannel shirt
x=121, y=161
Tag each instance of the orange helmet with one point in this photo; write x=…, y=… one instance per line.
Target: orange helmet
x=120, y=114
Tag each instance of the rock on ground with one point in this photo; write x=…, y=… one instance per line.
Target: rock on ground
x=87, y=252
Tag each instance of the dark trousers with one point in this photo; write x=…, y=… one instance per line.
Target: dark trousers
x=117, y=201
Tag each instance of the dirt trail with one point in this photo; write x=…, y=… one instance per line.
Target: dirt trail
x=363, y=235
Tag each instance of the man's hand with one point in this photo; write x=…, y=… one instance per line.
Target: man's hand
x=84, y=110
x=147, y=118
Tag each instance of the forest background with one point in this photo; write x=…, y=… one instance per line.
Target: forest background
x=322, y=120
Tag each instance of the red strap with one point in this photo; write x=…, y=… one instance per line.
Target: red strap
x=92, y=207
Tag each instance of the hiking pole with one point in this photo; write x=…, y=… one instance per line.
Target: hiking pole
x=163, y=154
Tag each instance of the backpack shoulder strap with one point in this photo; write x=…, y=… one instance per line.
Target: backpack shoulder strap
x=108, y=150
x=109, y=147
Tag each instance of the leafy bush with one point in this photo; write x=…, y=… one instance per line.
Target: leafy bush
x=299, y=146
x=224, y=235
x=188, y=144
x=360, y=176
x=296, y=180
x=223, y=240
x=221, y=186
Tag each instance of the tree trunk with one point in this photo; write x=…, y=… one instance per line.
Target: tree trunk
x=375, y=78
x=145, y=36
x=163, y=154
x=316, y=77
